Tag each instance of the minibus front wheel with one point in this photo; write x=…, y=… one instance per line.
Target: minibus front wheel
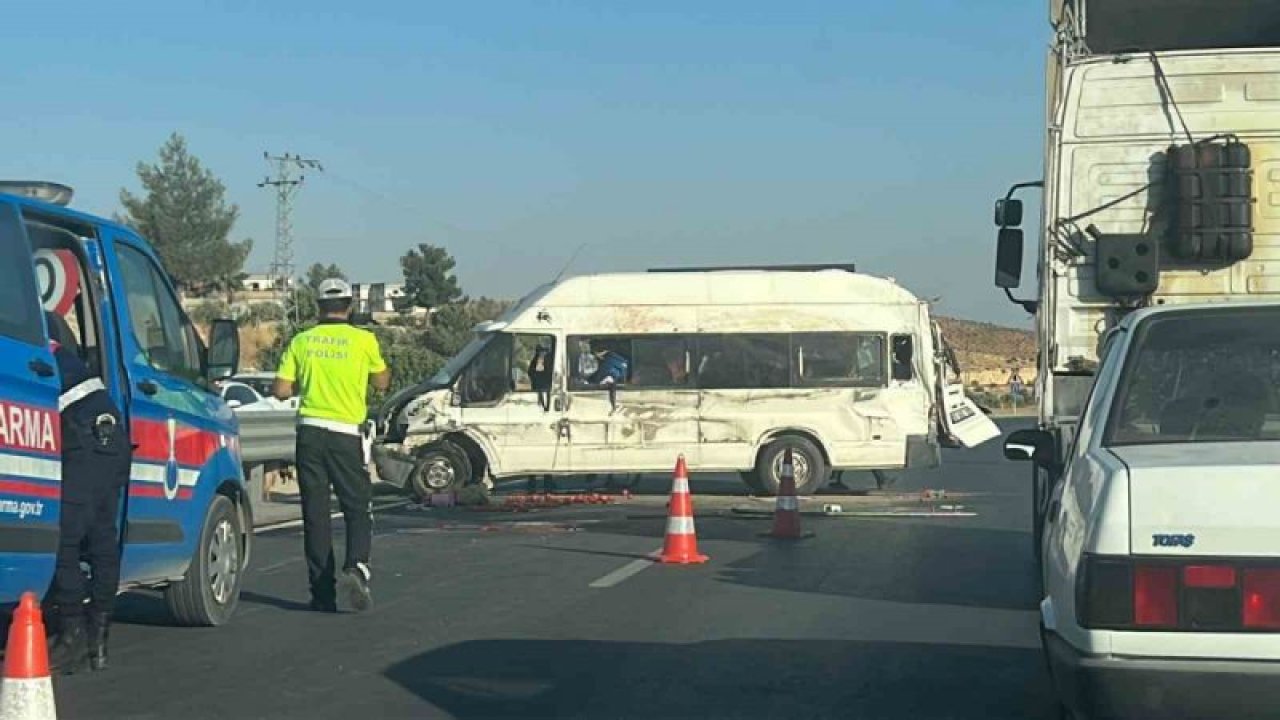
x=441, y=467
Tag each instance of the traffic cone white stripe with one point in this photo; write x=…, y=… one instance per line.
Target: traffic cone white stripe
x=26, y=691
x=680, y=485
x=27, y=699
x=680, y=526
x=788, y=502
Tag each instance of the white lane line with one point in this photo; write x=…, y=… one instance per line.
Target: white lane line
x=626, y=571
x=298, y=522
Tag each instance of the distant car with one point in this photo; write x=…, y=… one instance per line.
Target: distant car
x=262, y=383
x=242, y=397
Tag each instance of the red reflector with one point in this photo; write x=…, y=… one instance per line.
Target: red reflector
x=1262, y=598
x=1155, y=596
x=1209, y=576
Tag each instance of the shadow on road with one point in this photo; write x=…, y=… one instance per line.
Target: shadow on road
x=248, y=596
x=936, y=564
x=727, y=678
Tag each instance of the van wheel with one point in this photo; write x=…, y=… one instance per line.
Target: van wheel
x=884, y=479
x=442, y=467
x=210, y=591
x=810, y=468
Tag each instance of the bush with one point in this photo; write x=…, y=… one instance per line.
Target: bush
x=263, y=312
x=210, y=310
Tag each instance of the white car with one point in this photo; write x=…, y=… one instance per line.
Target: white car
x=262, y=382
x=243, y=398
x=1161, y=543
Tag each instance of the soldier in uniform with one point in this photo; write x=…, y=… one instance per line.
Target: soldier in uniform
x=96, y=454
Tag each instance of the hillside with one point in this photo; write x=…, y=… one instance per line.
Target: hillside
x=984, y=347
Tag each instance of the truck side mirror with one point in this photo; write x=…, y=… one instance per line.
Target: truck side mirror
x=222, y=359
x=1009, y=258
x=1008, y=212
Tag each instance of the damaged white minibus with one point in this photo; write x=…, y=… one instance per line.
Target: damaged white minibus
x=621, y=373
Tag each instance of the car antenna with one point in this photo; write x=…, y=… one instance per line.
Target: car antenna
x=565, y=269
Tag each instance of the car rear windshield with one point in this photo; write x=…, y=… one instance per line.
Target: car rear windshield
x=1200, y=376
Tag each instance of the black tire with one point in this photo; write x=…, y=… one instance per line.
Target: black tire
x=209, y=593
x=810, y=467
x=885, y=479
x=441, y=467
x=753, y=483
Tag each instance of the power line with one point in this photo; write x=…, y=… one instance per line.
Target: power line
x=286, y=184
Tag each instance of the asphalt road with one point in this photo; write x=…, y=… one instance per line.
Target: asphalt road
x=484, y=615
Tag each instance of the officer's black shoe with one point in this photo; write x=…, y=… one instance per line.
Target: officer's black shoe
x=99, y=628
x=325, y=606
x=70, y=652
x=355, y=582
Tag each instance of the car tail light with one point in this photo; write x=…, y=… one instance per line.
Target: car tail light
x=1262, y=599
x=1107, y=597
x=1220, y=595
x=1155, y=596
x=1209, y=576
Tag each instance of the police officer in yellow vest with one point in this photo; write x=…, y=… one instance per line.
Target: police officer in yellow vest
x=330, y=366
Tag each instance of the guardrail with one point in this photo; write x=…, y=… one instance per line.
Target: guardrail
x=267, y=435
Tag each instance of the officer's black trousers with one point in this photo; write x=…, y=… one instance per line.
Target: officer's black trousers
x=328, y=459
x=88, y=525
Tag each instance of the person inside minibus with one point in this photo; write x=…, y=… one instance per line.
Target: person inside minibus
x=612, y=367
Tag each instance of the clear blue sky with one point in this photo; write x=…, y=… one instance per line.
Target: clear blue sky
x=654, y=133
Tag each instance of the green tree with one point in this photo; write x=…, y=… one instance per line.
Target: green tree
x=318, y=273
x=185, y=216
x=451, y=326
x=429, y=281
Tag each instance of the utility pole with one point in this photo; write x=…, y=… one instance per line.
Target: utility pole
x=286, y=185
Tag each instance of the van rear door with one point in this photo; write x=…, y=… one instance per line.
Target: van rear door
x=962, y=421
x=30, y=466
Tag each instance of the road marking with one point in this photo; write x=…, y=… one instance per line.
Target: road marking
x=298, y=522
x=626, y=571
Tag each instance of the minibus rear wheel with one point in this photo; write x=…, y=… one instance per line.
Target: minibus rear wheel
x=808, y=464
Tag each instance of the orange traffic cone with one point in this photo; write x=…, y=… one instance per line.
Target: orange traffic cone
x=26, y=692
x=786, y=514
x=681, y=545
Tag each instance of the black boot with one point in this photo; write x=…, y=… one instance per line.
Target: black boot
x=70, y=652
x=99, y=627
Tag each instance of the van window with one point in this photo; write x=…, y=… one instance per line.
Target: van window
x=903, y=367
x=162, y=331
x=488, y=378
x=21, y=319
x=77, y=323
x=660, y=362
x=533, y=362
x=601, y=360
x=743, y=362
x=826, y=359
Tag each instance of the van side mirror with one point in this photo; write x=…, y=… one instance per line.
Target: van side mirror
x=222, y=359
x=1009, y=258
x=1008, y=212
x=1036, y=445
